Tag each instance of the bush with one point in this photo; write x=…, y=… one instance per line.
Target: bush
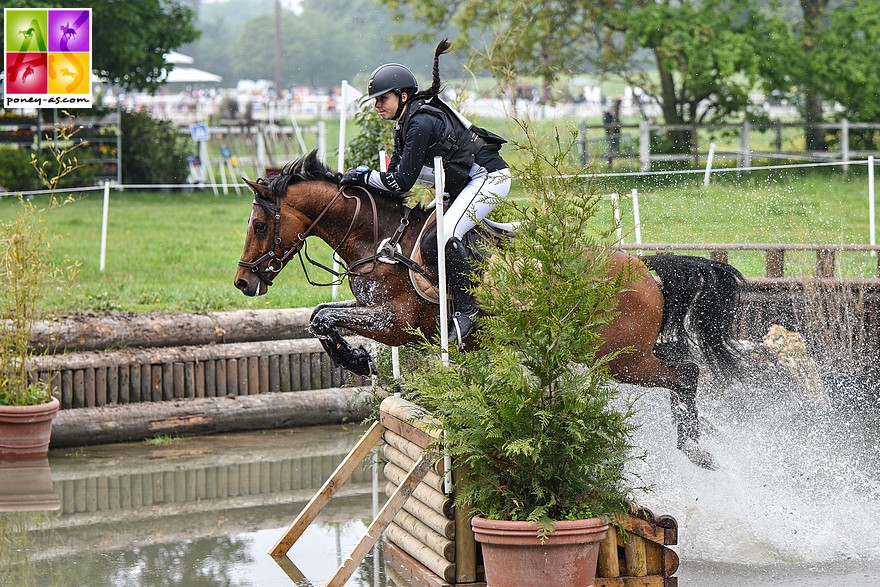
x=16, y=172
x=152, y=150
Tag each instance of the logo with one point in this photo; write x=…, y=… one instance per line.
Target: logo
x=47, y=57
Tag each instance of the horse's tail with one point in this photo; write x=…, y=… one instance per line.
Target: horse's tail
x=700, y=303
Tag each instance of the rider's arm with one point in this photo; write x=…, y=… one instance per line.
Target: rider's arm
x=420, y=135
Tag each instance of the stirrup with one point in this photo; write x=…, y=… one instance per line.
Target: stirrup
x=456, y=333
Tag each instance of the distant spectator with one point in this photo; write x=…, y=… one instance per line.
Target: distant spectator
x=611, y=120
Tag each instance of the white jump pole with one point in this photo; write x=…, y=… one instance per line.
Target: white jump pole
x=637, y=220
x=872, y=221
x=615, y=204
x=444, y=308
x=104, y=217
x=709, y=164
x=395, y=351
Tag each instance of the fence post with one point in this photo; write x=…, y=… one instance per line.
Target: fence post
x=644, y=146
x=104, y=217
x=844, y=144
x=582, y=142
x=746, y=143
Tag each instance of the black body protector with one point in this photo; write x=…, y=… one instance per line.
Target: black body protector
x=458, y=144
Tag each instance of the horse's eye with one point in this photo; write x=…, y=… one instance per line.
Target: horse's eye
x=260, y=227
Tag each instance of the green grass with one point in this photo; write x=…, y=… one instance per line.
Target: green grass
x=179, y=251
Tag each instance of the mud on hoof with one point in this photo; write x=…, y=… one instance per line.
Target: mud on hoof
x=697, y=455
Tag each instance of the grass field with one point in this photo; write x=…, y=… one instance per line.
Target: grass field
x=178, y=251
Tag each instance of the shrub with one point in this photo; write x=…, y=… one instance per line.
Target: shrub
x=16, y=173
x=153, y=151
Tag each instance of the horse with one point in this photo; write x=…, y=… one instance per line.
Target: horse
x=693, y=305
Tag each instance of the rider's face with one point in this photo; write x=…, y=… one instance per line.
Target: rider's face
x=387, y=104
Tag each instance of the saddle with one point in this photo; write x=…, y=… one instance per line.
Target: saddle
x=424, y=254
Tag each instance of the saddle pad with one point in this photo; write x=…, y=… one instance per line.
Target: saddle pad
x=420, y=283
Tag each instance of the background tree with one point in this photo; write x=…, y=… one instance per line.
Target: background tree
x=824, y=51
x=694, y=59
x=129, y=39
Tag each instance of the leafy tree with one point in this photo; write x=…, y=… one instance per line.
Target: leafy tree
x=825, y=51
x=694, y=59
x=129, y=39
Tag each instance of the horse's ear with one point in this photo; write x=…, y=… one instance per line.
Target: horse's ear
x=259, y=189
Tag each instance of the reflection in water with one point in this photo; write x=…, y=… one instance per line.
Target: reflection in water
x=203, y=511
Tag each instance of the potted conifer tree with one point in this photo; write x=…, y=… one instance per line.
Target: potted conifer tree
x=532, y=417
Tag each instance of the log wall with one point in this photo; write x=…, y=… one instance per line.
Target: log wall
x=116, y=377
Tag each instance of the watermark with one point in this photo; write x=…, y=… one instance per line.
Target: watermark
x=48, y=57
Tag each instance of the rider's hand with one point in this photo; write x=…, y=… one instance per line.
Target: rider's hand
x=356, y=176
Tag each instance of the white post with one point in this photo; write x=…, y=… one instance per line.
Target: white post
x=322, y=140
x=844, y=144
x=340, y=167
x=709, y=163
x=261, y=155
x=104, y=217
x=644, y=146
x=395, y=351
x=872, y=221
x=206, y=165
x=637, y=220
x=615, y=204
x=444, y=309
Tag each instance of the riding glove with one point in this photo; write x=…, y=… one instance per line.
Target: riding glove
x=357, y=176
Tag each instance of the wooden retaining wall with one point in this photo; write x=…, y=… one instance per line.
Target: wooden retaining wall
x=116, y=377
x=430, y=541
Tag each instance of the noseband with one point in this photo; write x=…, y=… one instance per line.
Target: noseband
x=275, y=263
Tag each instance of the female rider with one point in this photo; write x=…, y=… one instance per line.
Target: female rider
x=476, y=175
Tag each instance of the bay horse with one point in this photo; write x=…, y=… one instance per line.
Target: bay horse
x=694, y=303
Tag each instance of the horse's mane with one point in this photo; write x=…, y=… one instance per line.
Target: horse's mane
x=306, y=168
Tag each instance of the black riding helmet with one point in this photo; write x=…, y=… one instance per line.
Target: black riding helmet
x=392, y=77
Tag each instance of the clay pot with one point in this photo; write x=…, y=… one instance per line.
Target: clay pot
x=25, y=430
x=513, y=555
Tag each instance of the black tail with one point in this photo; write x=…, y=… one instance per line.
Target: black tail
x=700, y=304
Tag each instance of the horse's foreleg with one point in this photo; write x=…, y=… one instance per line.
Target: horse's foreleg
x=366, y=320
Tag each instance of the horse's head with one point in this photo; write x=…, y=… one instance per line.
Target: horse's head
x=276, y=228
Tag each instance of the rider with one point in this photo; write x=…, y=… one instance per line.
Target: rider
x=476, y=175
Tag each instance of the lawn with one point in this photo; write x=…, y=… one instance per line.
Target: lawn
x=174, y=251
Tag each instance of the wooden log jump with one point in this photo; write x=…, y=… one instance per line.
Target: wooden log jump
x=429, y=541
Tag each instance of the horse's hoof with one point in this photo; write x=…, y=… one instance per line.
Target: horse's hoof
x=697, y=455
x=361, y=363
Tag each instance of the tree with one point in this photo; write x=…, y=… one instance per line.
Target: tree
x=694, y=59
x=825, y=51
x=129, y=39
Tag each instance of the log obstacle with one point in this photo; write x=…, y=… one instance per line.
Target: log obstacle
x=429, y=541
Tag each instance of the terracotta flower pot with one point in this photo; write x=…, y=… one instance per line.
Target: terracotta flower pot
x=513, y=556
x=25, y=430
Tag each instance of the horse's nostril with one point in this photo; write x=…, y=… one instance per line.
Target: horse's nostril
x=241, y=284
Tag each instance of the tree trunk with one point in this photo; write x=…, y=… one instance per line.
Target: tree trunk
x=814, y=138
x=671, y=113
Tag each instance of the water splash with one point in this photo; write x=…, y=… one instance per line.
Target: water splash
x=796, y=483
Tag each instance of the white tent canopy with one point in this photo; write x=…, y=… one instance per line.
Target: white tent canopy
x=190, y=75
x=182, y=73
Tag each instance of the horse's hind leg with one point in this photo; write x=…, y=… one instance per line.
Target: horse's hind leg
x=681, y=380
x=683, y=397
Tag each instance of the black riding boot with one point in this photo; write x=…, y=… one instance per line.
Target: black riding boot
x=458, y=278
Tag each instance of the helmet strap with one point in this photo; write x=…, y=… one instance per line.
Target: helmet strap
x=400, y=103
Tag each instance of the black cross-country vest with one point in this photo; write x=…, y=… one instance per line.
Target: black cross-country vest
x=458, y=144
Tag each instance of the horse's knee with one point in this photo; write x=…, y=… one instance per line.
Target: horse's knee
x=321, y=322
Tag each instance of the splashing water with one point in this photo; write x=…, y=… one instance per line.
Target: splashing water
x=796, y=483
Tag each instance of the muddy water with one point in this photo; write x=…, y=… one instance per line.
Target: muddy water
x=191, y=512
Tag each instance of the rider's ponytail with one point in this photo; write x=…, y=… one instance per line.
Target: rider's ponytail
x=434, y=90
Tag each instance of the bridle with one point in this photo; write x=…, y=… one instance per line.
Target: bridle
x=275, y=263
